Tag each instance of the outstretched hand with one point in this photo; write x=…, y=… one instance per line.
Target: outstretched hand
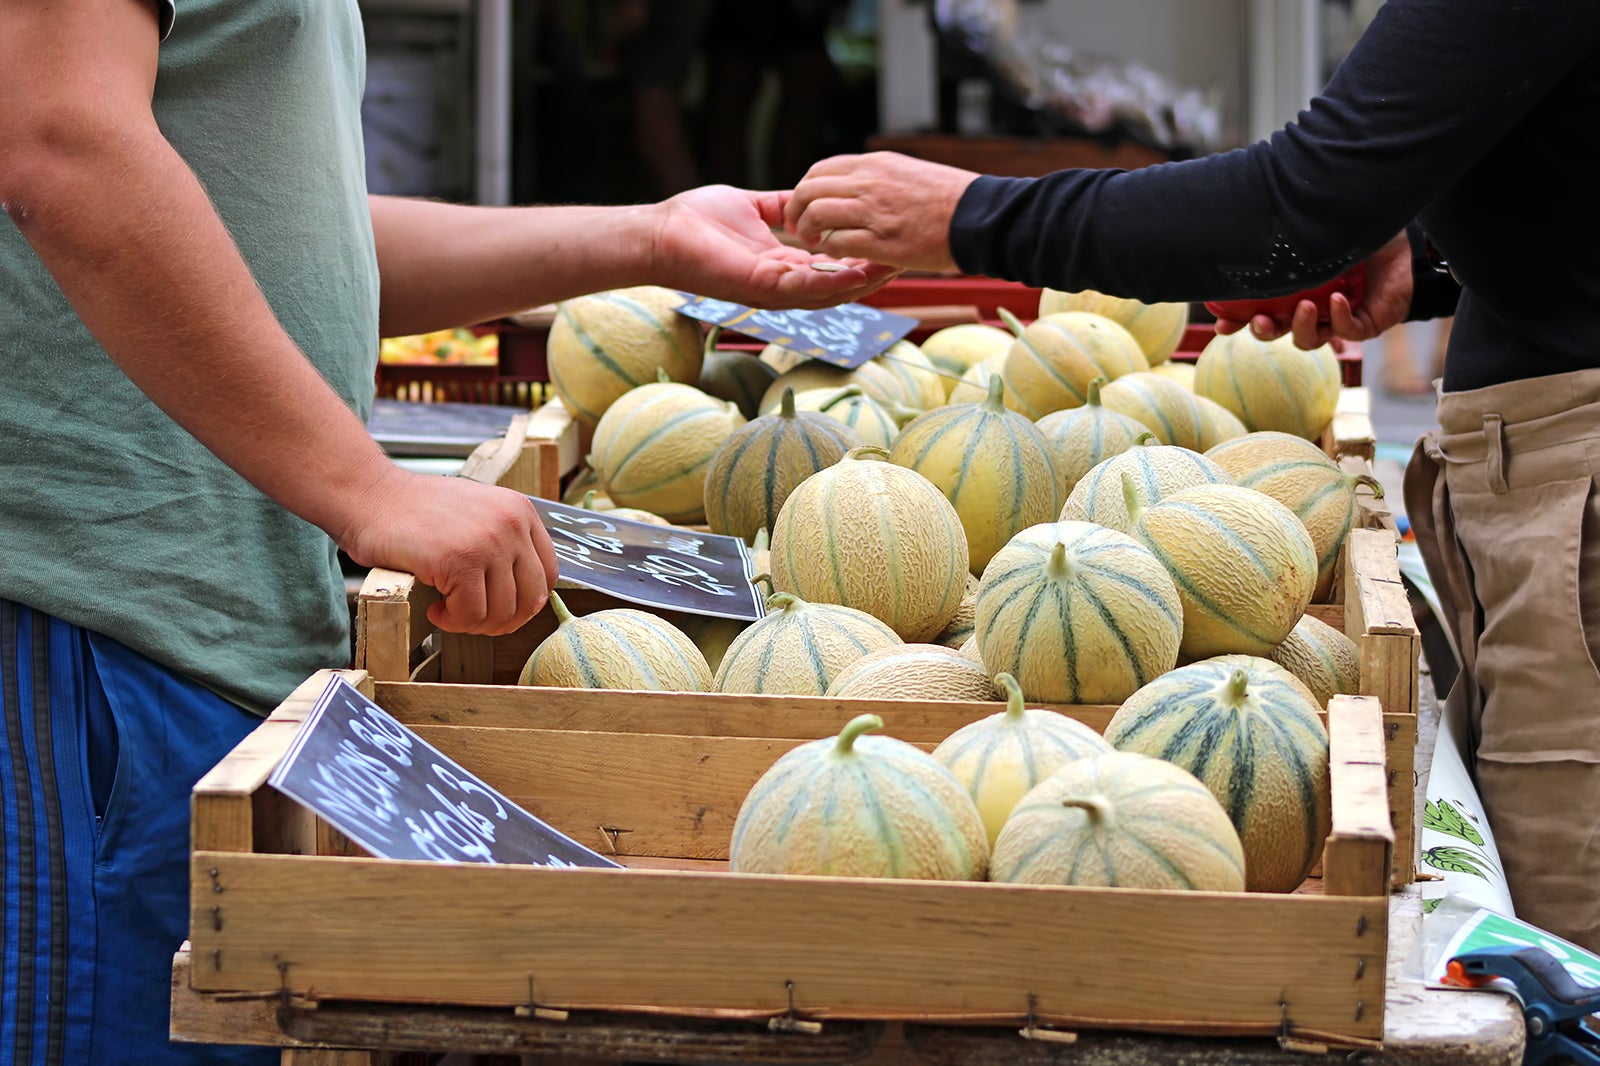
x=1386, y=304
x=882, y=206
x=718, y=241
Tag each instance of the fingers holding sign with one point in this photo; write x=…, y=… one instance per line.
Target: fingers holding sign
x=882, y=206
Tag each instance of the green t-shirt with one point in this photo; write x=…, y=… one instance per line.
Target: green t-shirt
x=113, y=517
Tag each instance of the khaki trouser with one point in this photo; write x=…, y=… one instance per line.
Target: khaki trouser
x=1504, y=501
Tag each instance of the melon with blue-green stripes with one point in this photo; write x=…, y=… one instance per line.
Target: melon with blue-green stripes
x=869, y=534
x=1083, y=437
x=1120, y=820
x=1078, y=613
x=734, y=375
x=1157, y=327
x=873, y=378
x=954, y=350
x=974, y=383
x=1249, y=730
x=1302, y=477
x=1324, y=658
x=1156, y=470
x=923, y=383
x=1243, y=564
x=1218, y=424
x=653, y=445
x=619, y=648
x=1001, y=757
x=604, y=344
x=761, y=462
x=858, y=805
x=930, y=673
x=1270, y=384
x=1158, y=403
x=873, y=422
x=798, y=648
x=992, y=464
x=1053, y=359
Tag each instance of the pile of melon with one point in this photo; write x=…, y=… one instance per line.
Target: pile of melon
x=1044, y=514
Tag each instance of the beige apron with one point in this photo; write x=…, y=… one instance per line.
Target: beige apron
x=1503, y=498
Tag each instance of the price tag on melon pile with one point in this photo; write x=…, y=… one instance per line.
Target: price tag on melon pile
x=399, y=797
x=847, y=335
x=655, y=566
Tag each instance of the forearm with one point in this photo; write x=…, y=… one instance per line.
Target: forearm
x=443, y=265
x=130, y=236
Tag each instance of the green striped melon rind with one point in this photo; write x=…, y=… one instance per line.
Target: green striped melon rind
x=1157, y=328
x=1160, y=404
x=652, y=447
x=954, y=350
x=992, y=464
x=619, y=648
x=798, y=648
x=1050, y=365
x=1326, y=660
x=606, y=343
x=1158, y=470
x=866, y=417
x=761, y=462
x=1081, y=438
x=859, y=806
x=737, y=377
x=868, y=534
x=1270, y=385
x=1264, y=755
x=930, y=673
x=1092, y=629
x=1120, y=820
x=1001, y=757
x=1243, y=563
x=1302, y=477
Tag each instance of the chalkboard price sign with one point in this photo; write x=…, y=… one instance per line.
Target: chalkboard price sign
x=399, y=797
x=656, y=566
x=847, y=335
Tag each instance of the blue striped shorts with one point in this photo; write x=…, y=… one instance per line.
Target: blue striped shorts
x=99, y=748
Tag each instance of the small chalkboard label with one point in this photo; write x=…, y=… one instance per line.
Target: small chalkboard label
x=655, y=566
x=847, y=335
x=399, y=797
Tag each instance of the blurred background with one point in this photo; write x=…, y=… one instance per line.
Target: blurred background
x=618, y=101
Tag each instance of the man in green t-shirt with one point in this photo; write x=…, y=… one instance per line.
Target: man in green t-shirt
x=192, y=285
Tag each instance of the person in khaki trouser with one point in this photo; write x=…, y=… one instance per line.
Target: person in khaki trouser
x=1468, y=126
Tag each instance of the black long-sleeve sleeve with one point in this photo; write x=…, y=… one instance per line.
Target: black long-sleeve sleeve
x=1476, y=116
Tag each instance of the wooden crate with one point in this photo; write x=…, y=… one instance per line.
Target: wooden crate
x=676, y=933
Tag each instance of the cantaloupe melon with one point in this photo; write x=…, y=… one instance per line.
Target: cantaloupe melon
x=1077, y=613
x=859, y=806
x=1218, y=424
x=1157, y=470
x=593, y=501
x=1243, y=563
x=1158, y=327
x=1270, y=384
x=874, y=379
x=713, y=636
x=602, y=345
x=867, y=418
x=1083, y=437
x=992, y=464
x=974, y=384
x=869, y=534
x=1181, y=372
x=1001, y=757
x=964, y=625
x=1052, y=361
x=955, y=350
x=1327, y=661
x=620, y=648
x=1161, y=405
x=653, y=445
x=1304, y=479
x=780, y=358
x=734, y=375
x=762, y=461
x=799, y=647
x=1249, y=729
x=1120, y=820
x=926, y=672
x=924, y=386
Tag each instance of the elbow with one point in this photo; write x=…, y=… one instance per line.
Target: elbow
x=53, y=158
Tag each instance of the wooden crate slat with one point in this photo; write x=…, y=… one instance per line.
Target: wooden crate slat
x=1357, y=857
x=720, y=943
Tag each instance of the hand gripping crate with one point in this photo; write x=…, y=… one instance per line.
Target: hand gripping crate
x=282, y=911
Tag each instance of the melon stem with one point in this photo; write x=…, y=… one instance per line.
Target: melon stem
x=1013, y=323
x=1130, y=499
x=1369, y=481
x=1093, y=399
x=868, y=451
x=1147, y=439
x=563, y=616
x=861, y=723
x=783, y=601
x=996, y=400
x=1057, y=566
x=711, y=340
x=1238, y=687
x=1097, y=807
x=786, y=405
x=588, y=500
x=1015, y=710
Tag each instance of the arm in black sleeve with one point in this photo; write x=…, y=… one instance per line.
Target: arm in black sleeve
x=1428, y=89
